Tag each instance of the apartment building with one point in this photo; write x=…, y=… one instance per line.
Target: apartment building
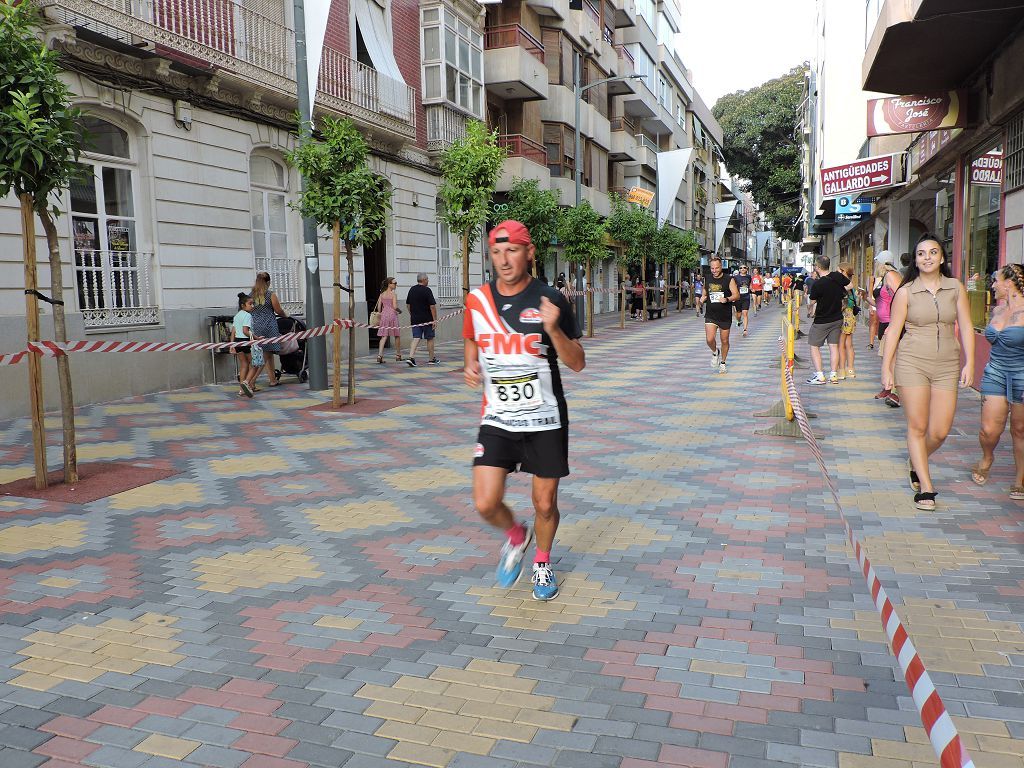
x=190, y=106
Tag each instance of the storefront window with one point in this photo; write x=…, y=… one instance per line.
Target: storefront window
x=985, y=179
x=945, y=197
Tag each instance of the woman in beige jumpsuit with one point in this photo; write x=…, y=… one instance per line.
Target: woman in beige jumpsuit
x=925, y=362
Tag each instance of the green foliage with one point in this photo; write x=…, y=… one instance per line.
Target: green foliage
x=340, y=187
x=470, y=168
x=632, y=226
x=581, y=233
x=682, y=248
x=760, y=128
x=538, y=209
x=40, y=139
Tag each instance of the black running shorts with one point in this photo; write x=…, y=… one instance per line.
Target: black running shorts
x=542, y=454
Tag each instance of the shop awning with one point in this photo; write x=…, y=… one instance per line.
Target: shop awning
x=723, y=214
x=924, y=46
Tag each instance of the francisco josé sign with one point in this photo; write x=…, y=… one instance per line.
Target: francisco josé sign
x=860, y=176
x=917, y=113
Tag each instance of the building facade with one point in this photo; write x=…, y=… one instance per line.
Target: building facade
x=190, y=112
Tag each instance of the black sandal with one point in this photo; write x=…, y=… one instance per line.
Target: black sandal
x=915, y=481
x=925, y=500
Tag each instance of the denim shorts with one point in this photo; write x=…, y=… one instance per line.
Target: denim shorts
x=997, y=382
x=423, y=332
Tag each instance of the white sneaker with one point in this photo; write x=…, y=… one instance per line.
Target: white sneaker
x=716, y=359
x=722, y=368
x=817, y=378
x=833, y=378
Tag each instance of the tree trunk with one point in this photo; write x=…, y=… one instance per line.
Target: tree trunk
x=35, y=363
x=643, y=282
x=60, y=332
x=664, y=279
x=465, y=266
x=679, y=291
x=589, y=296
x=351, y=328
x=622, y=290
x=336, y=333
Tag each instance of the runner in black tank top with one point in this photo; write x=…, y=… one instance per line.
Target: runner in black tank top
x=720, y=292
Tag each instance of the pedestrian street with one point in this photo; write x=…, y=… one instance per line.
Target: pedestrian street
x=305, y=588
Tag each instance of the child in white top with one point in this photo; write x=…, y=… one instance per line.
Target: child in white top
x=242, y=325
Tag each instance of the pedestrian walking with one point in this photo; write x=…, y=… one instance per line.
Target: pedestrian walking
x=387, y=324
x=720, y=295
x=1002, y=383
x=516, y=330
x=829, y=293
x=422, y=308
x=242, y=332
x=808, y=284
x=925, y=362
x=851, y=309
x=265, y=311
x=639, y=289
x=684, y=289
x=887, y=281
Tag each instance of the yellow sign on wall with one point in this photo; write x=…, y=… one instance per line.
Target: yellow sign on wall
x=640, y=196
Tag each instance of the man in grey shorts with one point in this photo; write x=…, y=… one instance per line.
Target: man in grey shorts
x=829, y=291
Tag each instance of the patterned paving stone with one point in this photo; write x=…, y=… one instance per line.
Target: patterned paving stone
x=314, y=589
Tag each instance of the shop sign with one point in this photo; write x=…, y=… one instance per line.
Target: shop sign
x=917, y=113
x=847, y=209
x=861, y=176
x=987, y=170
x=930, y=144
x=641, y=196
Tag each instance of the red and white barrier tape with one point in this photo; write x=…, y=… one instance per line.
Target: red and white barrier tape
x=939, y=725
x=58, y=348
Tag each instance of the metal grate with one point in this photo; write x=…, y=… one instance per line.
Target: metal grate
x=1013, y=160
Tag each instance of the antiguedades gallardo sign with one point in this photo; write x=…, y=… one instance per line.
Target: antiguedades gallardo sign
x=917, y=113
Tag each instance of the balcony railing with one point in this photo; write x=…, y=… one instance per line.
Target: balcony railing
x=114, y=288
x=286, y=275
x=362, y=92
x=645, y=141
x=444, y=126
x=449, y=285
x=521, y=146
x=625, y=55
x=512, y=35
x=623, y=123
x=221, y=33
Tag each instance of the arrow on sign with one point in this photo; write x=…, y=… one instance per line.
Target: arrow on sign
x=879, y=179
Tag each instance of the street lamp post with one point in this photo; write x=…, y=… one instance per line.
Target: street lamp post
x=579, y=89
x=316, y=348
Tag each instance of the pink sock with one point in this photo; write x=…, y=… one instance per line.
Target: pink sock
x=542, y=556
x=516, y=535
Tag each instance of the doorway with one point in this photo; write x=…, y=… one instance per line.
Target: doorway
x=375, y=270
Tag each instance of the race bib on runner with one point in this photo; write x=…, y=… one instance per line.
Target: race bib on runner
x=744, y=290
x=717, y=297
x=519, y=394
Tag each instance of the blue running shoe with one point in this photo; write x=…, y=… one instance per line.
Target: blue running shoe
x=545, y=587
x=510, y=562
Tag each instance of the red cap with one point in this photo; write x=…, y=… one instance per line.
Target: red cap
x=517, y=232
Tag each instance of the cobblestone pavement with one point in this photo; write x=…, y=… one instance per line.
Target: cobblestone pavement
x=314, y=589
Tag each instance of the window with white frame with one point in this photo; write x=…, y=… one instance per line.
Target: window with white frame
x=452, y=60
x=113, y=280
x=268, y=201
x=449, y=272
x=664, y=93
x=646, y=9
x=644, y=66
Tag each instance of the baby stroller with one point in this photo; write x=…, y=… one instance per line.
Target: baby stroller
x=293, y=353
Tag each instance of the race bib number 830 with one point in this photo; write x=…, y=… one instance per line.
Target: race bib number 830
x=510, y=395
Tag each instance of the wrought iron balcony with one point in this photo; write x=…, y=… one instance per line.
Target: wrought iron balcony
x=114, y=288
x=368, y=97
x=444, y=126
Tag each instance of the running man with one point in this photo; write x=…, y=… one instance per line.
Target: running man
x=769, y=286
x=757, y=288
x=743, y=283
x=516, y=329
x=720, y=293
